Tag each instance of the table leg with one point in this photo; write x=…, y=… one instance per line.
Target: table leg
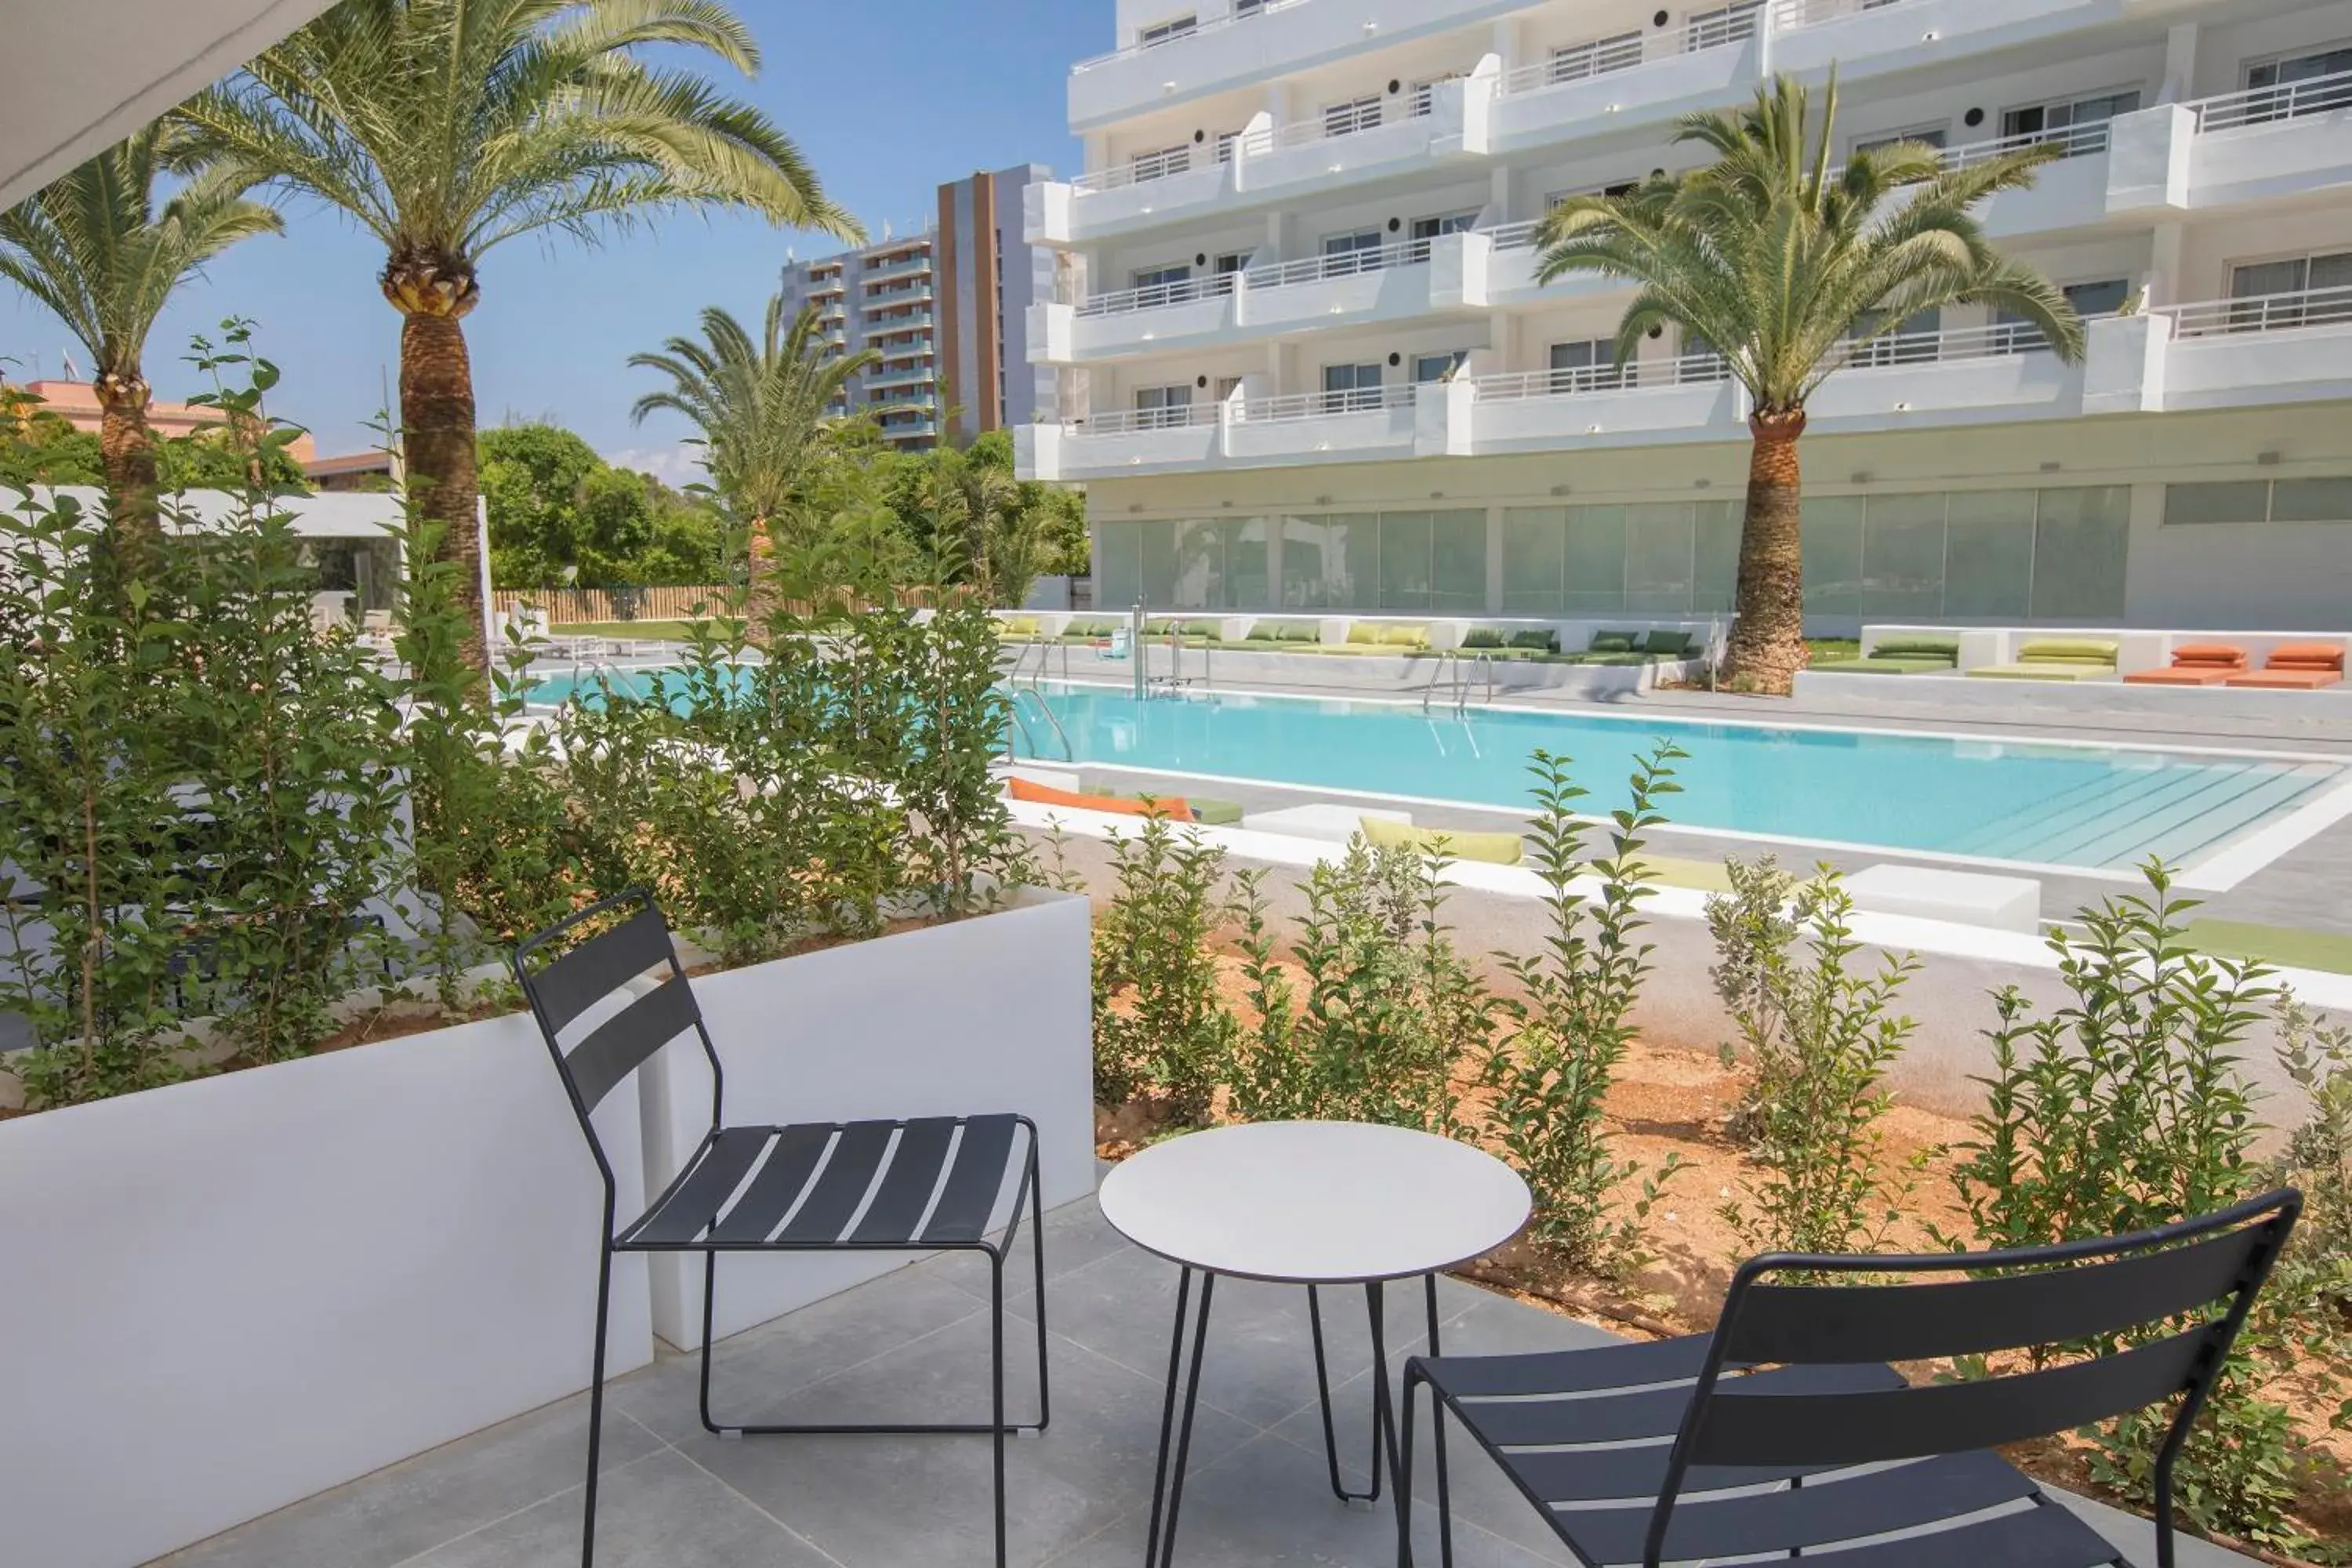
x=1167, y=1482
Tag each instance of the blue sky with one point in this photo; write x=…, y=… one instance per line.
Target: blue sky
x=885, y=98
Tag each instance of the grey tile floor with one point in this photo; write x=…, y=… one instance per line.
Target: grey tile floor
x=913, y=1345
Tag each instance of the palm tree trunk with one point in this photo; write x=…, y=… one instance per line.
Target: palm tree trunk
x=760, y=596
x=127, y=446
x=1767, y=641
x=436, y=419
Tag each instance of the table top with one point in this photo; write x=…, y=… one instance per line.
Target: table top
x=1314, y=1202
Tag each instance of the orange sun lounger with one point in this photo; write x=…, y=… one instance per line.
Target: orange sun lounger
x=2194, y=664
x=1045, y=795
x=2296, y=667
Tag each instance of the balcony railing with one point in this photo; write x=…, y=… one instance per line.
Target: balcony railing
x=2072, y=142
x=2282, y=101
x=1790, y=13
x=1324, y=404
x=1994, y=342
x=1241, y=13
x=1335, y=124
x=1155, y=296
x=1120, y=421
x=1582, y=380
x=2329, y=307
x=1338, y=264
x=1514, y=235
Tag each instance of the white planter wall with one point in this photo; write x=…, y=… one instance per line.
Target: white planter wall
x=219, y=1298
x=993, y=1014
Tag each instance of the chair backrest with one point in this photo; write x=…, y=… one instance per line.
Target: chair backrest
x=2138, y=1319
x=596, y=1045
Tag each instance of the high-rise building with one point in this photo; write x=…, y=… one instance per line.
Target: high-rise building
x=945, y=306
x=1299, y=300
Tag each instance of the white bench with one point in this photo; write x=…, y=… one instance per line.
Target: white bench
x=1323, y=820
x=1970, y=898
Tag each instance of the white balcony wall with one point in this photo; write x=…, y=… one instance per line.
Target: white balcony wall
x=2304, y=158
x=2228, y=370
x=1989, y=388
x=1863, y=40
x=2071, y=192
x=1354, y=437
x=1656, y=88
x=1603, y=416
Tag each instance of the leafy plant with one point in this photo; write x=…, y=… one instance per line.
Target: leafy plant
x=2309, y=1306
x=1160, y=1022
x=1548, y=1079
x=1818, y=1039
x=2127, y=1109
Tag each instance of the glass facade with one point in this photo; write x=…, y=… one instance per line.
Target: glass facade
x=2029, y=554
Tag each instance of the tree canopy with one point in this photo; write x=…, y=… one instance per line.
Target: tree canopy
x=555, y=505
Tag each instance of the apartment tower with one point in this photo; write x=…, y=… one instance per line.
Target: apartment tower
x=1313, y=368
x=945, y=306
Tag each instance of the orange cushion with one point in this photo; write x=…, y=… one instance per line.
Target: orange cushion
x=2287, y=679
x=2307, y=656
x=1045, y=795
x=2210, y=653
x=2183, y=675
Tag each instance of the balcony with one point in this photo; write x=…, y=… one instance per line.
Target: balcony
x=1393, y=282
x=1266, y=163
x=1623, y=80
x=917, y=266
x=1966, y=375
x=2269, y=348
x=2271, y=143
x=1686, y=399
x=918, y=375
x=1228, y=46
x=1864, y=37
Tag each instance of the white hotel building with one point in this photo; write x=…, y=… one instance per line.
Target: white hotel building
x=1312, y=367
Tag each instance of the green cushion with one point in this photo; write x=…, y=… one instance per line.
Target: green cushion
x=1674, y=645
x=1946, y=649
x=1263, y=633
x=1537, y=642
x=1304, y=631
x=1088, y=629
x=2281, y=945
x=1204, y=628
x=2046, y=670
x=2097, y=649
x=1481, y=636
x=1406, y=637
x=1159, y=628
x=1017, y=626
x=1876, y=665
x=1363, y=632
x=1701, y=876
x=1611, y=642
x=1215, y=812
x=1616, y=658
x=1494, y=849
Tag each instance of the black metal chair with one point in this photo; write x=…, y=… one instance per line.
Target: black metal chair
x=920, y=1185
x=1747, y=1441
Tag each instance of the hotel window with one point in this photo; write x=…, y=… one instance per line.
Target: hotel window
x=1167, y=284
x=1247, y=8
x=1160, y=31
x=1438, y=367
x=1227, y=385
x=1932, y=135
x=1358, y=251
x=1161, y=163
x=2318, y=290
x=1575, y=62
x=1424, y=93
x=1729, y=25
x=1451, y=223
x=2077, y=124
x=1586, y=365
x=1157, y=407
x=2259, y=501
x=1355, y=114
x=2307, y=83
x=1350, y=387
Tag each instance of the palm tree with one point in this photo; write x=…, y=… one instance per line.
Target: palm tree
x=444, y=127
x=95, y=251
x=1782, y=263
x=762, y=407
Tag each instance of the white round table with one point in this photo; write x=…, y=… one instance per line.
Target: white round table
x=1312, y=1204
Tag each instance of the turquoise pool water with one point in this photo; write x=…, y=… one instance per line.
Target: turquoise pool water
x=2092, y=806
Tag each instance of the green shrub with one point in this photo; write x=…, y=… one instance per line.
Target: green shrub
x=1160, y=1022
x=2307, y=1313
x=2127, y=1109
x=1389, y=1010
x=1816, y=1040
x=1547, y=1081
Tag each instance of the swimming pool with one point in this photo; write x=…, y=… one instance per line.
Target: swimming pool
x=2093, y=807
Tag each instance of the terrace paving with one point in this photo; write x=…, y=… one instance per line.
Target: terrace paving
x=913, y=1345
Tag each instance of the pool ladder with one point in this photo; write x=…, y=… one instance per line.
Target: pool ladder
x=1045, y=647
x=1174, y=682
x=1453, y=678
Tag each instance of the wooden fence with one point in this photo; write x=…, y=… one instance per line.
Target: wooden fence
x=574, y=607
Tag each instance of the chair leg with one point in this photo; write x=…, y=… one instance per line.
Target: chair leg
x=996, y=1384
x=596, y=1405
x=1437, y=1431
x=1037, y=1253
x=709, y=1293
x=1404, y=1474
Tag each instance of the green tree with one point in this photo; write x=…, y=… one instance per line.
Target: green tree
x=44, y=449
x=560, y=514
x=1781, y=263
x=96, y=251
x=444, y=127
x=760, y=405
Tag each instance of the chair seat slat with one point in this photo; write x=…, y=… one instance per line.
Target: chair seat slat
x=1658, y=1412
x=975, y=1182
x=906, y=1186
x=778, y=1185
x=686, y=1211
x=842, y=1185
x=1600, y=1475
x=1932, y=1492
x=2047, y=1536
x=1569, y=1372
